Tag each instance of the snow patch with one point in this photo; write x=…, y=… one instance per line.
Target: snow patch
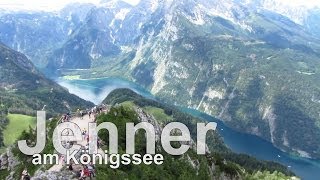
x=121, y=15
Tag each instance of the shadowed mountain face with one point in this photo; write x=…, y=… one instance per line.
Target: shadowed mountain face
x=23, y=89
x=251, y=64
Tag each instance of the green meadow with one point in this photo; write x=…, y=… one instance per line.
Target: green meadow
x=158, y=113
x=17, y=124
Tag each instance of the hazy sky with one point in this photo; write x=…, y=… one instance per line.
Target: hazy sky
x=47, y=5
x=308, y=3
x=58, y=4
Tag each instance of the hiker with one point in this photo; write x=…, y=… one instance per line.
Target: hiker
x=84, y=132
x=62, y=159
x=64, y=118
x=25, y=175
x=68, y=144
x=78, y=174
x=81, y=114
x=82, y=175
x=87, y=138
x=70, y=167
x=87, y=147
x=94, y=118
x=68, y=116
x=78, y=112
x=98, y=144
x=86, y=172
x=91, y=169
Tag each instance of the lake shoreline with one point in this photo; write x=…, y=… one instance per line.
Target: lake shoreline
x=238, y=142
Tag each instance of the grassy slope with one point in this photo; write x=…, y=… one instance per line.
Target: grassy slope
x=158, y=113
x=17, y=124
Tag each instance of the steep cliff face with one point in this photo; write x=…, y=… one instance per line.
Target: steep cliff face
x=259, y=77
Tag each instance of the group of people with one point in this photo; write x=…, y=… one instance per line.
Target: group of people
x=93, y=112
x=66, y=117
x=86, y=171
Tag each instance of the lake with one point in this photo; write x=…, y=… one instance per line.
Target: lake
x=96, y=90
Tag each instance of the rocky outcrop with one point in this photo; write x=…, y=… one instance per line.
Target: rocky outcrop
x=47, y=175
x=8, y=161
x=145, y=117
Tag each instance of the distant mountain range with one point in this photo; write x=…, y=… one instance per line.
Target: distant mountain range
x=254, y=64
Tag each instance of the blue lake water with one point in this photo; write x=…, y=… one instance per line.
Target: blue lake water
x=96, y=90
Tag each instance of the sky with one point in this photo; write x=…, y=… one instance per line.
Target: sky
x=308, y=3
x=46, y=5
x=52, y=5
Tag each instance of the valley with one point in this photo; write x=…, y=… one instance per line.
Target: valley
x=238, y=142
x=252, y=66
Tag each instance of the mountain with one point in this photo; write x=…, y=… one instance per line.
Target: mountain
x=37, y=34
x=125, y=106
x=304, y=15
x=23, y=89
x=312, y=21
x=254, y=64
x=94, y=34
x=32, y=34
x=104, y=32
x=254, y=68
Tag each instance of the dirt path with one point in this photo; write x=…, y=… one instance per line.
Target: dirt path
x=83, y=124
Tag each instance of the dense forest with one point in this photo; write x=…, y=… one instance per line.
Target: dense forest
x=3, y=122
x=218, y=150
x=188, y=166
